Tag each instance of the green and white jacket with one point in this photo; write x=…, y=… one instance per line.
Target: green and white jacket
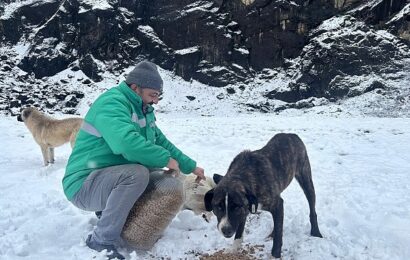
x=115, y=132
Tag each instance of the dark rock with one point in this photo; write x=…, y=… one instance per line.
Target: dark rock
x=380, y=92
x=380, y=11
x=78, y=94
x=187, y=61
x=6, y=68
x=71, y=102
x=14, y=103
x=264, y=108
x=70, y=111
x=304, y=104
x=45, y=60
x=22, y=98
x=90, y=67
x=87, y=81
x=227, y=34
x=75, y=68
x=330, y=66
x=220, y=96
x=28, y=102
x=375, y=85
x=290, y=96
x=190, y=98
x=60, y=96
x=230, y=90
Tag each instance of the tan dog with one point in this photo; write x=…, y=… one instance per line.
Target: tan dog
x=195, y=193
x=49, y=132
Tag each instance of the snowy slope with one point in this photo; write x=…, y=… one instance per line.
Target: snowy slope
x=360, y=171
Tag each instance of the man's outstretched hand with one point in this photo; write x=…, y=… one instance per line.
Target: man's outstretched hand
x=200, y=174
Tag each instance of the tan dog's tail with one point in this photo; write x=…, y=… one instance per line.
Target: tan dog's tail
x=77, y=126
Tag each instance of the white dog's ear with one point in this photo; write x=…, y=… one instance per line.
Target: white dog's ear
x=208, y=199
x=217, y=178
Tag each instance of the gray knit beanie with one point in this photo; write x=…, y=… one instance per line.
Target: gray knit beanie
x=145, y=75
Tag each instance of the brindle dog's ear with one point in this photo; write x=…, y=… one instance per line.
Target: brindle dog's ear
x=217, y=178
x=253, y=203
x=208, y=199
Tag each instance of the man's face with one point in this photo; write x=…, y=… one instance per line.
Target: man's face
x=148, y=96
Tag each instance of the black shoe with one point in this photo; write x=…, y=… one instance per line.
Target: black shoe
x=112, y=252
x=98, y=214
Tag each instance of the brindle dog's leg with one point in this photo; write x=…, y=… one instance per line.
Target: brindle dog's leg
x=305, y=180
x=277, y=233
x=237, y=243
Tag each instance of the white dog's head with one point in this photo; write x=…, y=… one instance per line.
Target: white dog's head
x=195, y=193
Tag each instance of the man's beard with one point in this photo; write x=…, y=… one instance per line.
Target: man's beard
x=145, y=106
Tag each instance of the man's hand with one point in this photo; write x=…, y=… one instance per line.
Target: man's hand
x=200, y=175
x=173, y=165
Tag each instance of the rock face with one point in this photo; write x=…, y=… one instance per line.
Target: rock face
x=217, y=42
x=333, y=62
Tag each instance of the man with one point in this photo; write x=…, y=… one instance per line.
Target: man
x=118, y=143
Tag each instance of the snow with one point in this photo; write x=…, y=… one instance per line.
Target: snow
x=360, y=170
x=96, y=4
x=399, y=15
x=187, y=50
x=242, y=50
x=21, y=49
x=197, y=6
x=12, y=7
x=369, y=4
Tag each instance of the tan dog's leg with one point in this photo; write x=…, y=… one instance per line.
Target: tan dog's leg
x=51, y=155
x=44, y=151
x=72, y=139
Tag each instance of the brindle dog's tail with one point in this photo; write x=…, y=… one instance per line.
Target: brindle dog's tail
x=304, y=177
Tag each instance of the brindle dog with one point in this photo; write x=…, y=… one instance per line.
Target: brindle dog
x=255, y=179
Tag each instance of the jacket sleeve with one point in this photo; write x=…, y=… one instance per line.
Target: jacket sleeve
x=113, y=121
x=186, y=164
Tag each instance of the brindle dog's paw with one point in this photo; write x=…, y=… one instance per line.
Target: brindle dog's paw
x=237, y=244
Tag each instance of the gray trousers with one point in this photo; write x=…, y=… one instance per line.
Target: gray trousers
x=112, y=190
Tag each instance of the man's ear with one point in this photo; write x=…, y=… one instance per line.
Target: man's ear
x=217, y=178
x=253, y=203
x=208, y=199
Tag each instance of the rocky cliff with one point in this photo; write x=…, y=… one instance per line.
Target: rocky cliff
x=321, y=44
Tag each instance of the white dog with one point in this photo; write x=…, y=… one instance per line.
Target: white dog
x=195, y=193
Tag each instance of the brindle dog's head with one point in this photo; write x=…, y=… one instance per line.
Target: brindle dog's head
x=231, y=204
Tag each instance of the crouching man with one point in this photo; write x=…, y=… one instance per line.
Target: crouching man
x=118, y=143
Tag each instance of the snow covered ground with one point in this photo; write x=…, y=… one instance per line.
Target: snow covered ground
x=360, y=170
